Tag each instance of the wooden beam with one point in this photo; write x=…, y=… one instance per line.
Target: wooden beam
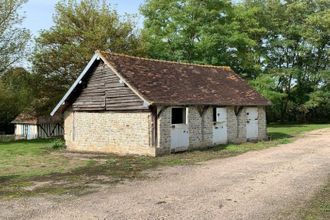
x=202, y=109
x=238, y=110
x=154, y=130
x=161, y=110
x=43, y=130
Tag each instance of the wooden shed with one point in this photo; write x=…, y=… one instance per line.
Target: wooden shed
x=125, y=104
x=30, y=126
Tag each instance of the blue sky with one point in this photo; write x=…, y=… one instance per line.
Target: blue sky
x=38, y=13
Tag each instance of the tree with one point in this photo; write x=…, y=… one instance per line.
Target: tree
x=281, y=46
x=80, y=28
x=197, y=31
x=13, y=39
x=295, y=50
x=16, y=94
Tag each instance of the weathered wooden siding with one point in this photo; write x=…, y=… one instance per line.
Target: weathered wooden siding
x=104, y=91
x=50, y=130
x=92, y=97
x=118, y=95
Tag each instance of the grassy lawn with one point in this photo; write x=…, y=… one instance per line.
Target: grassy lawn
x=32, y=168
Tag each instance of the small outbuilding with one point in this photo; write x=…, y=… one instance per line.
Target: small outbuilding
x=30, y=126
x=130, y=105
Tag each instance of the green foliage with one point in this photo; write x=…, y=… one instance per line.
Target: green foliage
x=281, y=46
x=196, y=31
x=13, y=39
x=16, y=94
x=58, y=144
x=15, y=87
x=80, y=28
x=295, y=52
x=266, y=85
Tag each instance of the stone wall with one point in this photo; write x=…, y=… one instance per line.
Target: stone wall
x=164, y=131
x=239, y=133
x=198, y=137
x=111, y=132
x=262, y=124
x=200, y=128
x=131, y=133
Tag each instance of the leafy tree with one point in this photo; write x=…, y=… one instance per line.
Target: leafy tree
x=80, y=28
x=295, y=50
x=16, y=94
x=266, y=85
x=197, y=31
x=282, y=46
x=13, y=39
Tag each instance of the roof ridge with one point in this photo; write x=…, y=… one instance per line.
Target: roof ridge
x=167, y=61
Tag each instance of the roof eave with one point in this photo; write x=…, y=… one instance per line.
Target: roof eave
x=74, y=85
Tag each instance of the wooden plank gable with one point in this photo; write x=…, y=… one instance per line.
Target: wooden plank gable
x=118, y=96
x=103, y=90
x=92, y=95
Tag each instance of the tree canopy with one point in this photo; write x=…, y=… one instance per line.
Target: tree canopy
x=80, y=28
x=16, y=95
x=282, y=47
x=13, y=38
x=294, y=53
x=201, y=32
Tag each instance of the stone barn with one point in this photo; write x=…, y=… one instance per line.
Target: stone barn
x=130, y=105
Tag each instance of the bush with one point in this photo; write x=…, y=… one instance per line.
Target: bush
x=58, y=144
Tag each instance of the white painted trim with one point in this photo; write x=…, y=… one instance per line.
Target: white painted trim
x=74, y=85
x=147, y=102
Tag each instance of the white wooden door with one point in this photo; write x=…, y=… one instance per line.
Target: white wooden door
x=180, y=135
x=220, y=126
x=251, y=123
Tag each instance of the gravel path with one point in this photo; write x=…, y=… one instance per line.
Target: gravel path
x=268, y=184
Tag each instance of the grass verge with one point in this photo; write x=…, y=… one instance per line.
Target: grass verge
x=319, y=207
x=29, y=168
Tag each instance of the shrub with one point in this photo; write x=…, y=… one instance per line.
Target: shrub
x=58, y=144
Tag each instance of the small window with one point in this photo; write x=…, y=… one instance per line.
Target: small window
x=178, y=116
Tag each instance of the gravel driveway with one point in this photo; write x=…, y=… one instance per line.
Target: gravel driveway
x=268, y=184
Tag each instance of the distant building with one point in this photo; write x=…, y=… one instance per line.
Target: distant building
x=29, y=126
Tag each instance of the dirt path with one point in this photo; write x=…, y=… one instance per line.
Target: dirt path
x=267, y=184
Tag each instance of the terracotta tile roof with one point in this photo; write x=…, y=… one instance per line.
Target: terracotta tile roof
x=166, y=82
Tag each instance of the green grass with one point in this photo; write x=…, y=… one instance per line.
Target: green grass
x=32, y=158
x=24, y=164
x=318, y=208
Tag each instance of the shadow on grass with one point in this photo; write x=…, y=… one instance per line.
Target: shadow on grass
x=278, y=135
x=287, y=125
x=5, y=179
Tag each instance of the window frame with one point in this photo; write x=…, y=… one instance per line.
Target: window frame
x=184, y=115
